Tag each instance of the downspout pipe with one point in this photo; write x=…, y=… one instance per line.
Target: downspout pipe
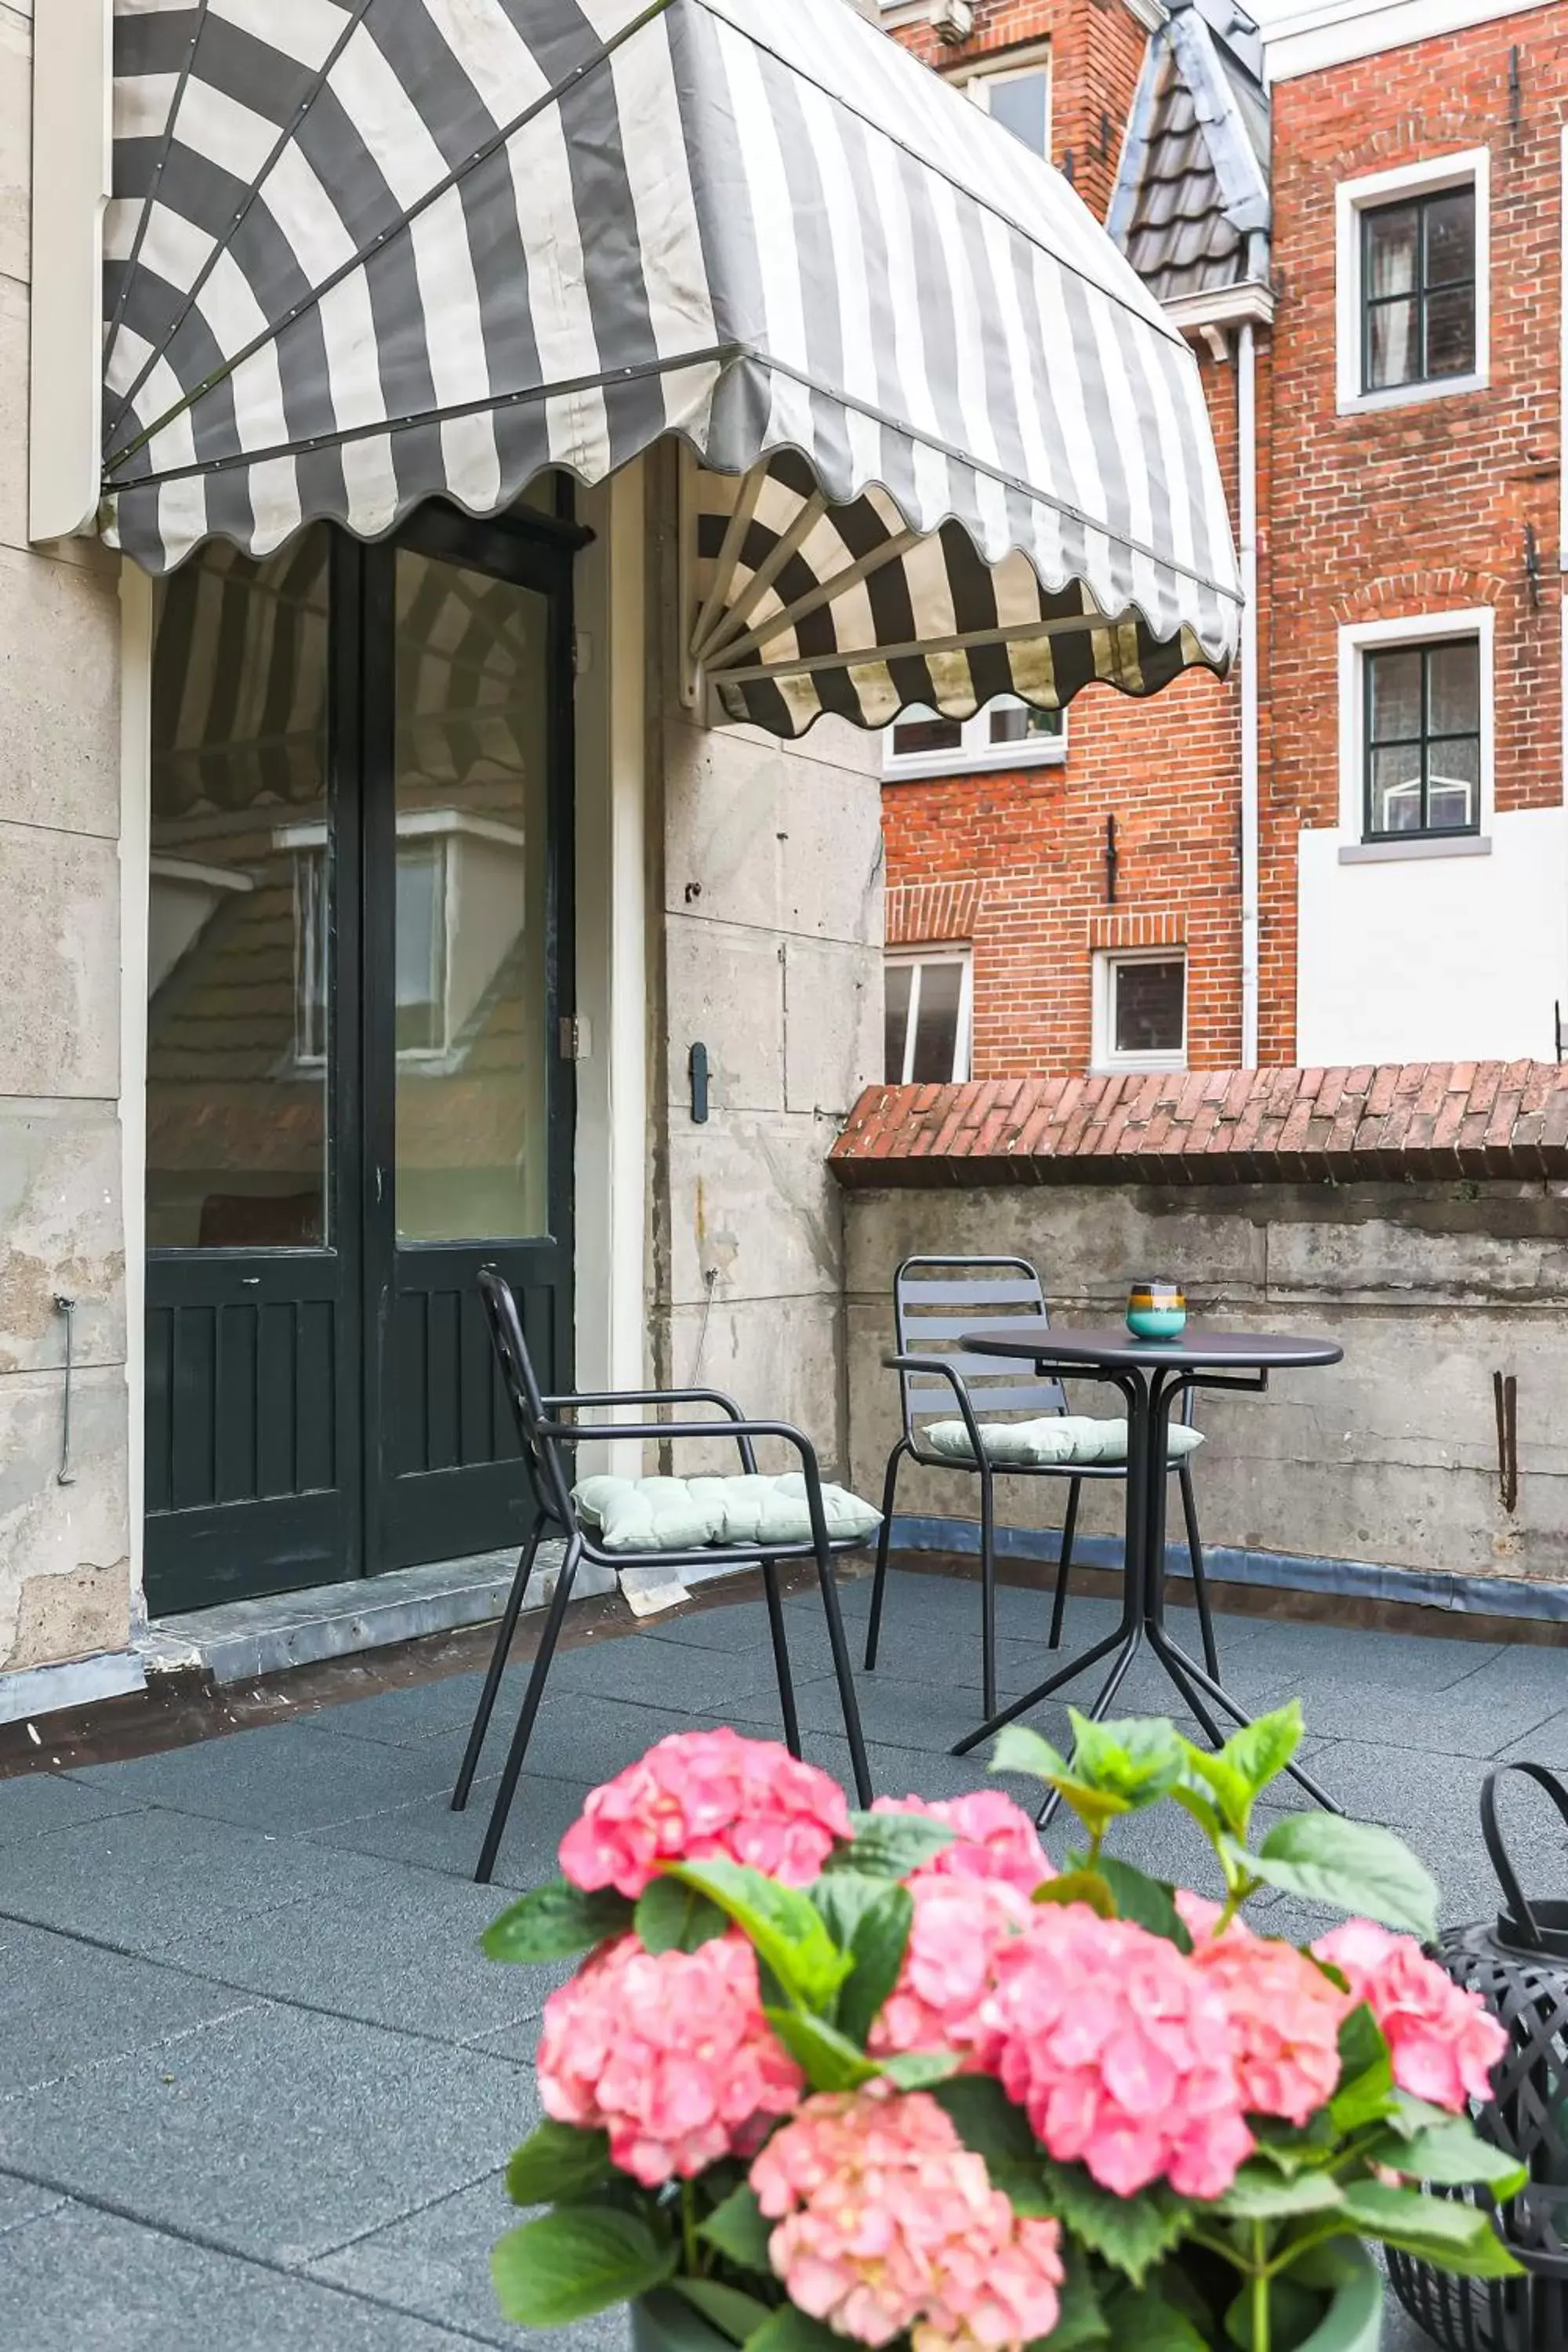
x=1247, y=520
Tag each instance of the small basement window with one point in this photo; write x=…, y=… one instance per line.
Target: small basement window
x=928, y=1018
x=1141, y=1010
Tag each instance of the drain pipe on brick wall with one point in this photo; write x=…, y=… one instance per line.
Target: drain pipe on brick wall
x=1247, y=520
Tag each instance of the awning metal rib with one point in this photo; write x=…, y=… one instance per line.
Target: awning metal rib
x=364, y=254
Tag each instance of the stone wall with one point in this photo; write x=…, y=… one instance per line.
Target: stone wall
x=767, y=928
x=1433, y=1280
x=64, y=1582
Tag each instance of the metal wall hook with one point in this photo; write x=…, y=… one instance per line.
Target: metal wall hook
x=65, y=1475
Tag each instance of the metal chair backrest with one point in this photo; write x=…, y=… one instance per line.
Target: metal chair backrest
x=935, y=1301
x=546, y=1459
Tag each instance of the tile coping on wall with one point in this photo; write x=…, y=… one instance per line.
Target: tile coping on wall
x=1206, y=1127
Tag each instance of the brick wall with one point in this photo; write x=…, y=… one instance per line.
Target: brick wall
x=1097, y=47
x=1167, y=770
x=1412, y=508
x=1420, y=506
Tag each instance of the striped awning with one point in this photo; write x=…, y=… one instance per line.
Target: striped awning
x=366, y=252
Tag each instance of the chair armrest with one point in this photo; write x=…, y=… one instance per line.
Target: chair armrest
x=940, y=1365
x=726, y=1405
x=567, y=1433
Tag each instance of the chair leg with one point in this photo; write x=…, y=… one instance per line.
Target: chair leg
x=780, y=1655
x=499, y=1657
x=889, y=1488
x=1064, y=1566
x=1200, y=1583
x=987, y=1591
x=845, y=1676
x=530, y=1698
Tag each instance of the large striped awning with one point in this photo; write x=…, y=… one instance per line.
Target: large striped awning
x=367, y=252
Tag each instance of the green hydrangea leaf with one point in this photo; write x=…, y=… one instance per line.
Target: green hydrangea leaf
x=889, y=1845
x=569, y=2264
x=555, y=1923
x=557, y=2163
x=739, y=2229
x=1354, y=1865
x=674, y=1918
x=1131, y=2235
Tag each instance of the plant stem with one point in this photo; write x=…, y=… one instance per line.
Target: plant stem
x=1260, y=2289
x=689, y=2231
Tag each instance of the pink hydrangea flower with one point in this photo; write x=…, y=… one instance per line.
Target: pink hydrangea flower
x=950, y=1966
x=1283, y=2011
x=996, y=1838
x=1443, y=2043
x=1119, y=2049
x=669, y=2054
x=887, y=2225
x=699, y=1794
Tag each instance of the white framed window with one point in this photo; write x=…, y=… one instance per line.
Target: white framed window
x=928, y=1016
x=1015, y=92
x=1411, y=270
x=1416, y=734
x=1006, y=734
x=1141, y=1009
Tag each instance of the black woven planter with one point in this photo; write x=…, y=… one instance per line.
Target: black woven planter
x=1520, y=1968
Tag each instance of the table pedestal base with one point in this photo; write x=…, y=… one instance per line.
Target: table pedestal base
x=1150, y=1396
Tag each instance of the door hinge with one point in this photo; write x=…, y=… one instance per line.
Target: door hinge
x=576, y=1040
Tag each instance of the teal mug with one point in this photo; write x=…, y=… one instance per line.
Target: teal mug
x=1156, y=1310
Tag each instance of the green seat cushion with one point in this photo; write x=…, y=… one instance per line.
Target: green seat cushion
x=1074, y=1440
x=685, y=1514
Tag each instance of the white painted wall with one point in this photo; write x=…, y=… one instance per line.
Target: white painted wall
x=1433, y=959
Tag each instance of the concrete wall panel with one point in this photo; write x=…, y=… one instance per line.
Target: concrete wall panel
x=64, y=1582
x=1390, y=1457
x=59, y=971
x=60, y=1233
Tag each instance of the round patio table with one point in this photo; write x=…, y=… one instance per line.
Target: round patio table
x=1151, y=1374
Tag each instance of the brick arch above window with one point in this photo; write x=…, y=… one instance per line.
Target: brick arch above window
x=921, y=914
x=1410, y=595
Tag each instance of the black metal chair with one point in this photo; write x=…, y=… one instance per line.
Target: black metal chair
x=935, y=1301
x=547, y=1440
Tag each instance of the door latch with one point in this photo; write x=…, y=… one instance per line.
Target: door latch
x=576, y=1038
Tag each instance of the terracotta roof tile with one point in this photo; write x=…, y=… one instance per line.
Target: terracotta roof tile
x=1415, y=1118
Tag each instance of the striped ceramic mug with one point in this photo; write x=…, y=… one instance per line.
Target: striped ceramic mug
x=1156, y=1310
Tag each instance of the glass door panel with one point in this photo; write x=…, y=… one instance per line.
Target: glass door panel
x=471, y=968
x=240, y=933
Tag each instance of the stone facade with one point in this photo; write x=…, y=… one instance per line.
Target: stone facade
x=768, y=931
x=64, y=1548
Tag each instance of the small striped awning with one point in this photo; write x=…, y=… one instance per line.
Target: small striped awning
x=364, y=253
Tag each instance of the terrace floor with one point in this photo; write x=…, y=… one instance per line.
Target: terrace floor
x=256, y=2084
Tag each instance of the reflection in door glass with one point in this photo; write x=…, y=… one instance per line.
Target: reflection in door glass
x=470, y=959
x=239, y=904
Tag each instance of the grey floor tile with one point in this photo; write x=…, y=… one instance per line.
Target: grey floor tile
x=409, y=1718
x=83, y=2281
x=34, y=1803
x=436, y=2262
x=277, y=2133
x=138, y=1879
x=284, y=1778
x=66, y=2004
x=667, y=1675
x=24, y=2200
x=400, y=1949
x=431, y=1836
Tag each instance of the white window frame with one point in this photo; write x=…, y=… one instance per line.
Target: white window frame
x=1107, y=962
x=1357, y=638
x=1012, y=65
x=976, y=754
x=915, y=959
x=1472, y=167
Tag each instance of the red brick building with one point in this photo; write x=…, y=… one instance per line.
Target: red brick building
x=1353, y=850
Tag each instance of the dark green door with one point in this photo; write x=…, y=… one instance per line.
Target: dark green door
x=359, y=965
